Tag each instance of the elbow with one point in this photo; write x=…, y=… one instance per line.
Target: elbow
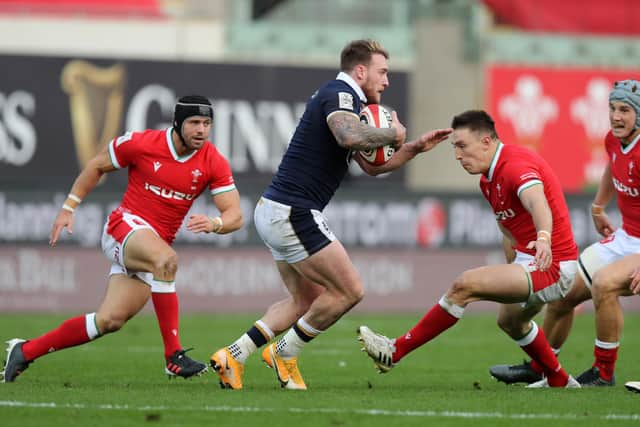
x=351, y=142
x=236, y=224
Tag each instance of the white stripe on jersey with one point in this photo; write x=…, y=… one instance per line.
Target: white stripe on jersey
x=112, y=154
x=527, y=185
x=224, y=189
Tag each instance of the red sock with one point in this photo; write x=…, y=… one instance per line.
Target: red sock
x=436, y=321
x=166, y=307
x=541, y=352
x=536, y=367
x=70, y=333
x=605, y=361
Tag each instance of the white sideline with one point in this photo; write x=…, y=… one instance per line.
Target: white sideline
x=418, y=414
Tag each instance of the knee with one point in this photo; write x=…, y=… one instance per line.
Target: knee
x=461, y=290
x=352, y=295
x=356, y=294
x=166, y=265
x=601, y=286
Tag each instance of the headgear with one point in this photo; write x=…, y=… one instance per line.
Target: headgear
x=189, y=106
x=627, y=91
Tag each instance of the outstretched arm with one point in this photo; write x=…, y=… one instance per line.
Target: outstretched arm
x=83, y=185
x=407, y=152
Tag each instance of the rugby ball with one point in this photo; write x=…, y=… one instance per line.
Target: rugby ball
x=377, y=116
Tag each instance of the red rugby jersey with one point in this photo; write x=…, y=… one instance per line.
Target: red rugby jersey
x=624, y=163
x=514, y=169
x=162, y=185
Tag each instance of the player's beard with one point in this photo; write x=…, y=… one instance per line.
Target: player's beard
x=195, y=144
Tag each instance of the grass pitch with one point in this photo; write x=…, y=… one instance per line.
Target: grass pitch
x=119, y=381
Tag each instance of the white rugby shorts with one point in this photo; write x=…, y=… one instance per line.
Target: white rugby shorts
x=606, y=251
x=292, y=234
x=550, y=285
x=115, y=234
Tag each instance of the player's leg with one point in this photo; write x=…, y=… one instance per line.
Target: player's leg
x=331, y=269
x=145, y=251
x=156, y=263
x=499, y=283
x=292, y=235
x=608, y=284
x=558, y=320
x=123, y=299
x=229, y=361
x=517, y=322
x=505, y=283
x=558, y=317
x=303, y=292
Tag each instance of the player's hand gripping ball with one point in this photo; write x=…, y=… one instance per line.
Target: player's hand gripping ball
x=377, y=116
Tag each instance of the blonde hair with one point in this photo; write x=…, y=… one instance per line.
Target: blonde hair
x=360, y=52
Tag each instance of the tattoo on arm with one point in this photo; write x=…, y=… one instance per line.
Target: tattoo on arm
x=352, y=134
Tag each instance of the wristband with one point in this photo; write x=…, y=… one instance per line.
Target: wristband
x=544, y=235
x=597, y=210
x=75, y=198
x=68, y=208
x=217, y=224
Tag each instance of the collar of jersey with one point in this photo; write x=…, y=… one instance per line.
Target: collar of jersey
x=494, y=161
x=348, y=80
x=625, y=150
x=173, y=152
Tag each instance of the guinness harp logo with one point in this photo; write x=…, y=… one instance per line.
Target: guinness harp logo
x=96, y=97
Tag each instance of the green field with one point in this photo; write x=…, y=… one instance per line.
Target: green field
x=119, y=380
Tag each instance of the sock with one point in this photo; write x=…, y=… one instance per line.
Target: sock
x=257, y=336
x=291, y=343
x=441, y=317
x=606, y=354
x=166, y=308
x=72, y=332
x=536, y=367
x=535, y=344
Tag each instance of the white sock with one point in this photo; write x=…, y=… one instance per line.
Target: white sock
x=242, y=348
x=289, y=345
x=91, y=326
x=292, y=342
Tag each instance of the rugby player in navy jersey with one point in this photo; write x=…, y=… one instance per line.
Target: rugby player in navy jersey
x=321, y=279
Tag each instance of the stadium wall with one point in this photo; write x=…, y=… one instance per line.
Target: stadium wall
x=66, y=279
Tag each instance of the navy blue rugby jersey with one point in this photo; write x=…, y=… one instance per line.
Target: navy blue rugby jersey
x=314, y=164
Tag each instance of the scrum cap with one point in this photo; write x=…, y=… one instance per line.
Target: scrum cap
x=627, y=91
x=189, y=106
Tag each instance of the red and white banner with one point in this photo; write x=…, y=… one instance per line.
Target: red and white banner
x=573, y=16
x=562, y=113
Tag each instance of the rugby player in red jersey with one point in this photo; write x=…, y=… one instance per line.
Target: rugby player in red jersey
x=167, y=170
x=529, y=206
x=608, y=268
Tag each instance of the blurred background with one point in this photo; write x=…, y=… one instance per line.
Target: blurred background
x=76, y=73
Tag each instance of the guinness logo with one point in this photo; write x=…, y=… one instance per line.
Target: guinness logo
x=96, y=101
